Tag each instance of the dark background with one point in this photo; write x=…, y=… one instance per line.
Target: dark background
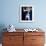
x=24, y=13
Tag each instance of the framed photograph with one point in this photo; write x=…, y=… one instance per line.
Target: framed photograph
x=26, y=13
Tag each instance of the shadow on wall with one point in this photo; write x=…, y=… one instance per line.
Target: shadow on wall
x=2, y=26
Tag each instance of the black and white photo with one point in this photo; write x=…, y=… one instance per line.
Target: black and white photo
x=26, y=14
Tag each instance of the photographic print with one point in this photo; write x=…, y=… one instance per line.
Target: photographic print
x=26, y=13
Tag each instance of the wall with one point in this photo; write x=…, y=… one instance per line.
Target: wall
x=10, y=12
